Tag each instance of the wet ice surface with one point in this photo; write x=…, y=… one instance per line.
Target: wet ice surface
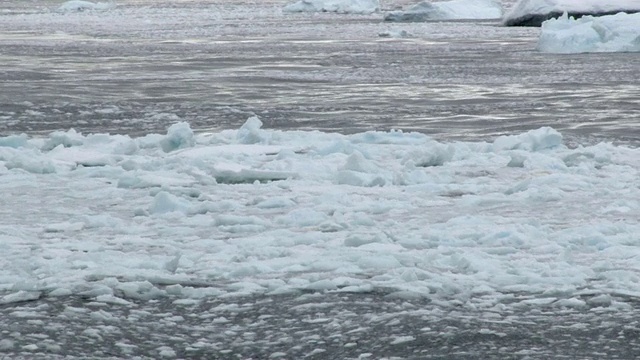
x=138, y=68
x=144, y=66
x=170, y=246
x=315, y=326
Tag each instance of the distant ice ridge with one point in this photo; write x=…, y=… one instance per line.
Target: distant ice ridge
x=79, y=5
x=521, y=221
x=612, y=33
x=337, y=6
x=448, y=10
x=535, y=12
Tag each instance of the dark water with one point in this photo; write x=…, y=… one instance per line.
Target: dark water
x=313, y=326
x=454, y=80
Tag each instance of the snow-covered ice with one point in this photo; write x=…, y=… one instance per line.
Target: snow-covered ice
x=448, y=10
x=80, y=5
x=611, y=33
x=535, y=12
x=337, y=6
x=258, y=211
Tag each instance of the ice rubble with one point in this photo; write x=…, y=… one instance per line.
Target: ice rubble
x=448, y=10
x=612, y=33
x=517, y=221
x=80, y=5
x=535, y=12
x=338, y=6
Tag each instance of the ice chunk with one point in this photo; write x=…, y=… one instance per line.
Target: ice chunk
x=144, y=290
x=356, y=178
x=66, y=139
x=613, y=33
x=14, y=141
x=31, y=162
x=356, y=240
x=359, y=171
x=430, y=155
x=110, y=299
x=81, y=156
x=240, y=175
x=402, y=339
x=6, y=344
x=165, y=202
x=250, y=133
x=172, y=265
x=178, y=136
x=60, y=292
x=20, y=296
x=166, y=352
x=534, y=140
x=322, y=285
x=571, y=303
x=357, y=162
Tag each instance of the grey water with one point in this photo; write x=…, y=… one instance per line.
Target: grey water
x=452, y=80
x=313, y=326
x=143, y=66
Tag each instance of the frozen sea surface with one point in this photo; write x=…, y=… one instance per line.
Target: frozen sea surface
x=230, y=238
x=349, y=244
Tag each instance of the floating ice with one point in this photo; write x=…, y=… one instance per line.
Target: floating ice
x=14, y=141
x=27, y=161
x=535, y=140
x=6, y=344
x=448, y=10
x=79, y=5
x=519, y=221
x=178, y=136
x=165, y=202
x=535, y=12
x=612, y=33
x=338, y=6
x=250, y=132
x=20, y=296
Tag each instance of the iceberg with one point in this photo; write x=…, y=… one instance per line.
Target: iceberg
x=612, y=33
x=448, y=10
x=535, y=12
x=337, y=6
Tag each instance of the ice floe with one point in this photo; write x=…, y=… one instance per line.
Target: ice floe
x=448, y=10
x=337, y=6
x=256, y=211
x=535, y=12
x=611, y=33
